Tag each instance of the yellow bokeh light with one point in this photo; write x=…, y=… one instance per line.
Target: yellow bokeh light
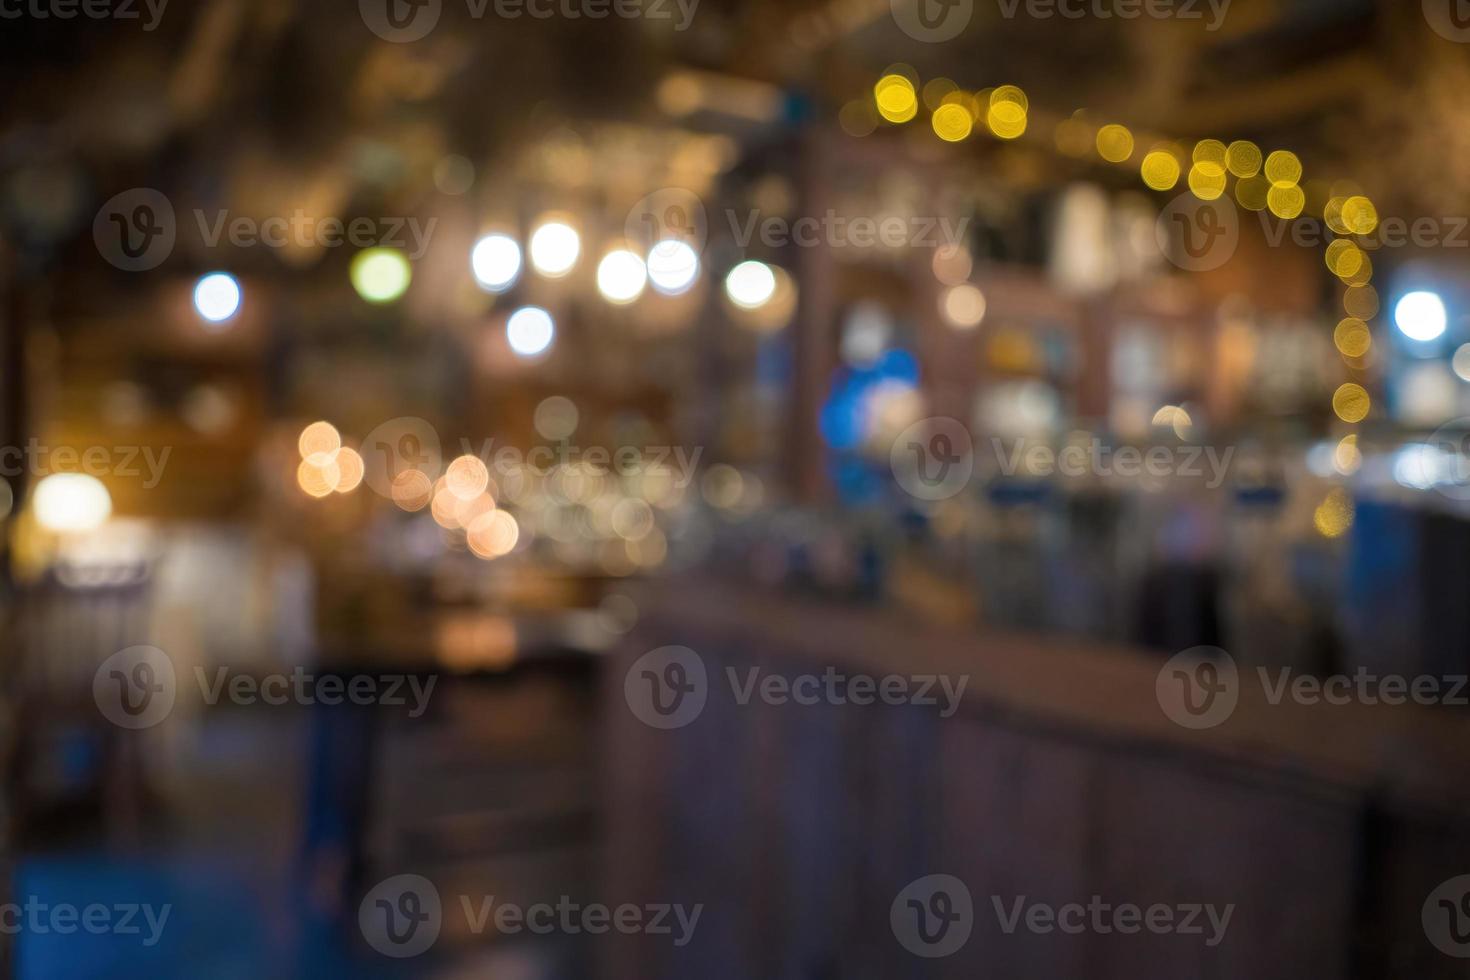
x=952, y=123
x=1283, y=167
x=1160, y=170
x=1210, y=151
x=1352, y=337
x=1332, y=215
x=443, y=507
x=318, y=439
x=350, y=468
x=318, y=475
x=1364, y=275
x=1334, y=515
x=1286, y=200
x=466, y=477
x=1344, y=258
x=412, y=490
x=1006, y=119
x=1252, y=192
x=1207, y=180
x=467, y=511
x=380, y=275
x=1011, y=94
x=1243, y=158
x=1359, y=215
x=1114, y=143
x=895, y=97
x=1360, y=302
x=493, y=534
x=1346, y=458
x=1351, y=403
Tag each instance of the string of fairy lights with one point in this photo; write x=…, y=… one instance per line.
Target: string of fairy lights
x=1271, y=182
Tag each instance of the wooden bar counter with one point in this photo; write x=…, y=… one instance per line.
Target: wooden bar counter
x=1059, y=778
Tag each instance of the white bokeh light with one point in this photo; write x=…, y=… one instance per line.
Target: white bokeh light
x=750, y=285
x=1420, y=316
x=555, y=247
x=530, y=330
x=496, y=262
x=68, y=502
x=217, y=297
x=673, y=266
x=621, y=276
